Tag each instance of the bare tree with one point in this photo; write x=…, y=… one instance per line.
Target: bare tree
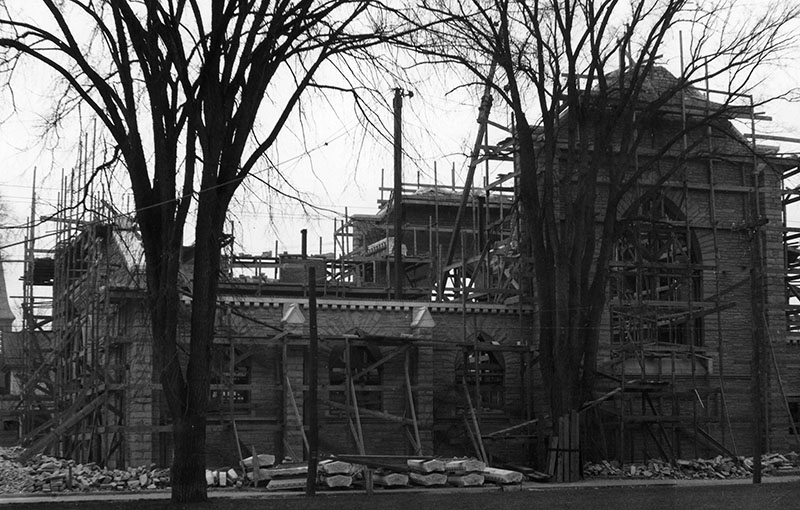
x=179, y=86
x=577, y=76
x=7, y=231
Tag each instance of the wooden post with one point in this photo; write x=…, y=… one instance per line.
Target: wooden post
x=313, y=431
x=483, y=117
x=398, y=193
x=574, y=446
x=239, y=449
x=285, y=396
x=418, y=445
x=475, y=423
x=359, y=430
x=297, y=415
x=256, y=467
x=541, y=446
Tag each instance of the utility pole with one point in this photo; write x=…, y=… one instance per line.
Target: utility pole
x=399, y=271
x=313, y=424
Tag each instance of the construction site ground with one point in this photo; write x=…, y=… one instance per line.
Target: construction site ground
x=774, y=492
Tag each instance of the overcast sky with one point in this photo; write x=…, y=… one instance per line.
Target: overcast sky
x=328, y=156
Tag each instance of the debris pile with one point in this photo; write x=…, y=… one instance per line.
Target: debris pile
x=387, y=472
x=719, y=467
x=48, y=474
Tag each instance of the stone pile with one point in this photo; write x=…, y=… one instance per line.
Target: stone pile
x=719, y=467
x=48, y=474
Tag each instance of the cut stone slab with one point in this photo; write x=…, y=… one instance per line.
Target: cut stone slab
x=427, y=479
x=280, y=484
x=335, y=481
x=263, y=474
x=390, y=479
x=469, y=465
x=287, y=470
x=264, y=460
x=502, y=476
x=426, y=466
x=338, y=467
x=466, y=480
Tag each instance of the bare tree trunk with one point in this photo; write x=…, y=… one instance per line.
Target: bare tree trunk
x=189, y=426
x=189, y=462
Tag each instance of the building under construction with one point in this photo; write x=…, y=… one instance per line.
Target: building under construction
x=428, y=342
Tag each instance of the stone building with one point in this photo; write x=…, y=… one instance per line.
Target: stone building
x=701, y=253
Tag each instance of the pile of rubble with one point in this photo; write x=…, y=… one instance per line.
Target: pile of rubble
x=718, y=467
x=385, y=472
x=48, y=474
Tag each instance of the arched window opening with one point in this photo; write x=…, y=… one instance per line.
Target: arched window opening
x=656, y=277
x=366, y=375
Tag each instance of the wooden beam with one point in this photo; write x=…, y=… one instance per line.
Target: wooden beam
x=381, y=361
x=56, y=433
x=410, y=394
x=296, y=412
x=475, y=422
x=485, y=108
x=368, y=412
x=511, y=428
